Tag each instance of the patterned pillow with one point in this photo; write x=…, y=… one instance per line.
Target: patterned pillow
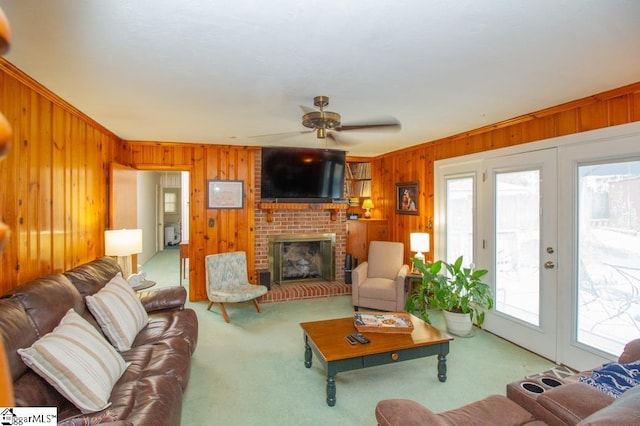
x=119, y=312
x=79, y=362
x=614, y=378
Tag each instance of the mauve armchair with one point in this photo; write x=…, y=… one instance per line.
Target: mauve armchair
x=378, y=283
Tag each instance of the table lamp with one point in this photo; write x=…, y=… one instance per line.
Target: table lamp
x=419, y=242
x=367, y=205
x=122, y=243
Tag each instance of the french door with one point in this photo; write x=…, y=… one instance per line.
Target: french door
x=557, y=224
x=519, y=243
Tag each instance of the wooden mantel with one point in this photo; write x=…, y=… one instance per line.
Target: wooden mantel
x=332, y=207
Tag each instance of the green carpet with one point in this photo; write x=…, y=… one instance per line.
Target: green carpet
x=251, y=371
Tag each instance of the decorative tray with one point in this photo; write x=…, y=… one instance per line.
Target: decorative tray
x=383, y=322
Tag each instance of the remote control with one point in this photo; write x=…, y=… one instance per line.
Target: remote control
x=360, y=338
x=351, y=339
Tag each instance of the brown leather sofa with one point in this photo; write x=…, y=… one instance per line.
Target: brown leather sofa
x=150, y=390
x=567, y=403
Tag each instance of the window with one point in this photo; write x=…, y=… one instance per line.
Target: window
x=170, y=202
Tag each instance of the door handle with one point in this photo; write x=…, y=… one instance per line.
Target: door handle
x=549, y=264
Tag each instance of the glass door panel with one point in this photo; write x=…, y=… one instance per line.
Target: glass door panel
x=460, y=208
x=608, y=220
x=517, y=244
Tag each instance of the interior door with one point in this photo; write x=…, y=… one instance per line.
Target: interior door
x=519, y=243
x=123, y=201
x=123, y=197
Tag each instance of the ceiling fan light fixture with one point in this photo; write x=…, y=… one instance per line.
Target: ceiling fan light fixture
x=326, y=123
x=321, y=120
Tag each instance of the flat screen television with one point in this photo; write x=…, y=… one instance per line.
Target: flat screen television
x=302, y=175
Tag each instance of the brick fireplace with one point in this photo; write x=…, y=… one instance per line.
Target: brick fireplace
x=303, y=222
x=308, y=221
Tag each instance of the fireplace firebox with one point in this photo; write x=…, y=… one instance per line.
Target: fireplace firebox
x=302, y=257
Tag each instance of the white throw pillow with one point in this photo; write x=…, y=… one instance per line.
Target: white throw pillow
x=78, y=361
x=119, y=312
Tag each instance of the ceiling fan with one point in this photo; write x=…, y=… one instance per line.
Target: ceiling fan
x=326, y=123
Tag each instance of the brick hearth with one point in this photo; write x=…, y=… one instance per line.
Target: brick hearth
x=305, y=290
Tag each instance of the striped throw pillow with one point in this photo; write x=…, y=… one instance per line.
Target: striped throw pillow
x=119, y=312
x=79, y=362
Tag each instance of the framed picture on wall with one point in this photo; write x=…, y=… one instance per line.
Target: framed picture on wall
x=407, y=198
x=225, y=194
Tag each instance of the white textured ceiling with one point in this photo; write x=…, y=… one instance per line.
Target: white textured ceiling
x=222, y=71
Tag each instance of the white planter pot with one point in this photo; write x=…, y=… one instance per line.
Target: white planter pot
x=458, y=324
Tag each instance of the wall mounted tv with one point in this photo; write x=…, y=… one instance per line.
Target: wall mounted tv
x=302, y=175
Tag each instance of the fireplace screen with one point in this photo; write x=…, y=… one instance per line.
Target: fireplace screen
x=300, y=257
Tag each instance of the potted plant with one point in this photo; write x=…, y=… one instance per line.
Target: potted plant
x=459, y=291
x=418, y=301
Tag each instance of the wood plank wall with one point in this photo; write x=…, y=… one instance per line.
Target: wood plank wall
x=615, y=107
x=55, y=185
x=211, y=230
x=54, y=182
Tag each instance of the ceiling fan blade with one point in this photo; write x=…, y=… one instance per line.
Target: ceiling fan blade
x=387, y=124
x=338, y=140
x=283, y=134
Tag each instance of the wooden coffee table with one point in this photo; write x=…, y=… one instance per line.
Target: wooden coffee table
x=327, y=340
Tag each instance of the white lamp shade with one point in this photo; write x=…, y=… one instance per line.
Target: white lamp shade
x=122, y=242
x=419, y=242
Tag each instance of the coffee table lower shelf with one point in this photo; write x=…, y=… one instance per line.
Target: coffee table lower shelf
x=336, y=355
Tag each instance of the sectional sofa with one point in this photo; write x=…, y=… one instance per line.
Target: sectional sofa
x=143, y=369
x=540, y=401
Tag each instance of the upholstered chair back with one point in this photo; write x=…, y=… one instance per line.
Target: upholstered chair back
x=225, y=270
x=385, y=259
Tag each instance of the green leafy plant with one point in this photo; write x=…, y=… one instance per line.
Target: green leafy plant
x=458, y=290
x=417, y=301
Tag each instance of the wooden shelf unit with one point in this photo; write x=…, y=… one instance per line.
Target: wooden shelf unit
x=358, y=179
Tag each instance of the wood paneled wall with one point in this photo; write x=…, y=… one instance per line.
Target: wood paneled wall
x=615, y=107
x=55, y=185
x=53, y=194
x=211, y=230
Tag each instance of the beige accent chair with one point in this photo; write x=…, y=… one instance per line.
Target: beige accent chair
x=378, y=283
x=227, y=281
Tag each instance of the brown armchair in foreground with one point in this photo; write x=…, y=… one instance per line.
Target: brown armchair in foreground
x=378, y=283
